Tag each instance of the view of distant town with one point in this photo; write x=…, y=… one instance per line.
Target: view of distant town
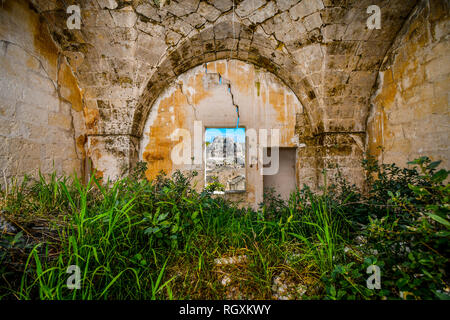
x=225, y=158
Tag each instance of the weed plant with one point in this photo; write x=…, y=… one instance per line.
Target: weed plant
x=135, y=239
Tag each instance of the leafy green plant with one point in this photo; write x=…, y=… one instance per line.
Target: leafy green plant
x=349, y=281
x=407, y=229
x=139, y=239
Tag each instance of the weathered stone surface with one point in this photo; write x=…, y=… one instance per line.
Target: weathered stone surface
x=263, y=13
x=128, y=52
x=35, y=112
x=108, y=4
x=182, y=8
x=222, y=5
x=208, y=11
x=172, y=38
x=195, y=20
x=286, y=30
x=313, y=21
x=150, y=49
x=410, y=112
x=125, y=17
x=248, y=6
x=148, y=11
x=305, y=8
x=286, y=4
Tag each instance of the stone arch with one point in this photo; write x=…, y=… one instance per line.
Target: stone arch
x=234, y=40
x=217, y=96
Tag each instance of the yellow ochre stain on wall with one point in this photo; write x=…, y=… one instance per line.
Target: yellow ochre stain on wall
x=69, y=87
x=91, y=117
x=46, y=51
x=157, y=152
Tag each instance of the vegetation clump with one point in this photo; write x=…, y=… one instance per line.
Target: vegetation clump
x=135, y=239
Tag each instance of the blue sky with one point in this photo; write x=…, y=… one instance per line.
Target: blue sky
x=238, y=134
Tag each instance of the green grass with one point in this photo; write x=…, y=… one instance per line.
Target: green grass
x=134, y=239
x=137, y=240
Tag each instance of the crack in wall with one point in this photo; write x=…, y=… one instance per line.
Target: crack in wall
x=61, y=99
x=7, y=42
x=234, y=104
x=227, y=82
x=188, y=100
x=222, y=81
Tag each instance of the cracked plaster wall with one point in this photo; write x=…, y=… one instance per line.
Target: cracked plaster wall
x=210, y=94
x=39, y=98
x=410, y=115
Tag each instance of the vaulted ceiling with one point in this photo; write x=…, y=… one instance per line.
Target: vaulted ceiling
x=126, y=52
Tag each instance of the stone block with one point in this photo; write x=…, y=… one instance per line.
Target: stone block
x=60, y=120
x=107, y=4
x=31, y=113
x=263, y=13
x=248, y=6
x=313, y=21
x=438, y=69
x=209, y=12
x=7, y=108
x=148, y=11
x=305, y=8
x=222, y=5
x=285, y=4
x=125, y=18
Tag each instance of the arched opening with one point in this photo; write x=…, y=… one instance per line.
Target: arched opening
x=228, y=40
x=223, y=94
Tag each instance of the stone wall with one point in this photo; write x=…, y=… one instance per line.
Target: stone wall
x=410, y=112
x=129, y=52
x=38, y=97
x=96, y=86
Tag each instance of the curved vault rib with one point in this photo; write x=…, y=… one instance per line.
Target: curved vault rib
x=182, y=59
